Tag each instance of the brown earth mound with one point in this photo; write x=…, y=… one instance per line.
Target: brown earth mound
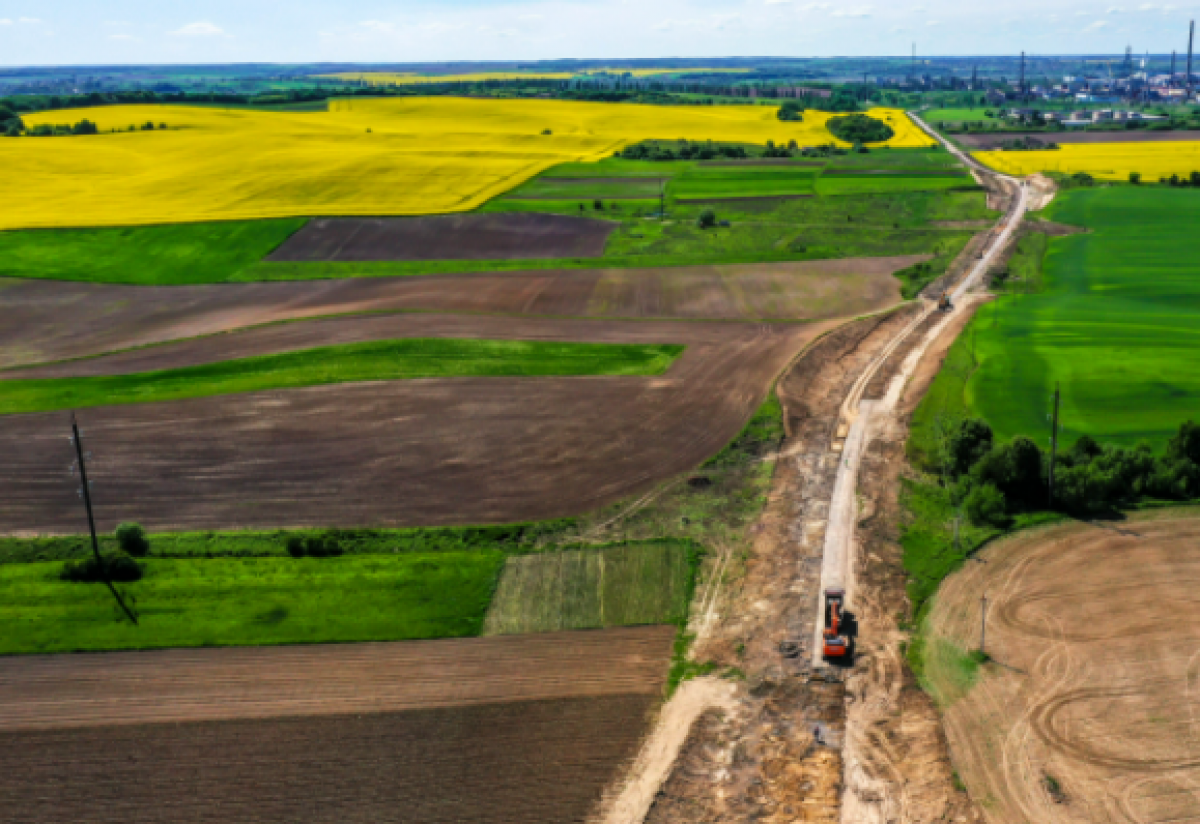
x=40, y=692
x=415, y=452
x=447, y=237
x=985, y=142
x=1088, y=709
x=51, y=320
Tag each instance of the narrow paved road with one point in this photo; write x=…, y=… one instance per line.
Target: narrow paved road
x=859, y=416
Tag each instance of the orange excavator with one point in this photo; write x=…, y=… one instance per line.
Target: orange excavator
x=836, y=644
x=944, y=304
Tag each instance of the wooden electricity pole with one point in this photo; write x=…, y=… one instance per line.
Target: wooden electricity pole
x=87, y=502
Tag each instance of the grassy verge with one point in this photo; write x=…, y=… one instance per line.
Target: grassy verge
x=931, y=553
x=252, y=601
x=375, y=360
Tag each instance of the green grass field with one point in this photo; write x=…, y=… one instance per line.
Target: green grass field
x=175, y=254
x=957, y=115
x=745, y=181
x=595, y=188
x=374, y=360
x=588, y=589
x=252, y=601
x=1117, y=325
x=830, y=185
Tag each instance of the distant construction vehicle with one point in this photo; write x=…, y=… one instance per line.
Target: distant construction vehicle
x=944, y=304
x=836, y=645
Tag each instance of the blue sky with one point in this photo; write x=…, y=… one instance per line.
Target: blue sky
x=58, y=32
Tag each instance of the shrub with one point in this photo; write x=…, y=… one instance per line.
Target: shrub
x=1135, y=178
x=314, y=546
x=860, y=128
x=968, y=443
x=707, y=219
x=116, y=566
x=986, y=507
x=132, y=538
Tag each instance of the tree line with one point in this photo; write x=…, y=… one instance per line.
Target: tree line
x=995, y=482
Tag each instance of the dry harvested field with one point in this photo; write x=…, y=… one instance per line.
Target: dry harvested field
x=984, y=142
x=519, y=730
x=1089, y=711
x=51, y=320
x=427, y=452
x=447, y=237
x=40, y=692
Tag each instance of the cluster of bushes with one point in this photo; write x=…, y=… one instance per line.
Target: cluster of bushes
x=313, y=546
x=860, y=128
x=790, y=111
x=1027, y=144
x=10, y=123
x=13, y=126
x=1176, y=180
x=682, y=150
x=995, y=482
x=116, y=565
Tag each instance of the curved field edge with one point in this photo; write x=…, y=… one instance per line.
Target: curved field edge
x=403, y=359
x=479, y=149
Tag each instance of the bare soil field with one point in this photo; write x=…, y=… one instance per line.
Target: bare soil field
x=47, y=320
x=415, y=452
x=40, y=692
x=526, y=762
x=447, y=237
x=1088, y=709
x=984, y=142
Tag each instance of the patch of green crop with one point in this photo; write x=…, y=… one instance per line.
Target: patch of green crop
x=637, y=583
x=1116, y=324
x=374, y=360
x=172, y=254
x=252, y=601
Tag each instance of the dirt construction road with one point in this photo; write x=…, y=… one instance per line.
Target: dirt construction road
x=1090, y=710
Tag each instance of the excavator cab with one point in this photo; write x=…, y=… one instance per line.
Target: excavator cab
x=835, y=645
x=944, y=303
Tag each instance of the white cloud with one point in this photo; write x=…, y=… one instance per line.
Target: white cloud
x=1099, y=24
x=123, y=37
x=865, y=11
x=933, y=23
x=201, y=28
x=30, y=20
x=4, y=21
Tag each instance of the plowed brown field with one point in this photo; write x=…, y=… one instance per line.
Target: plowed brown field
x=414, y=452
x=1089, y=711
x=49, y=320
x=519, y=730
x=448, y=237
x=169, y=686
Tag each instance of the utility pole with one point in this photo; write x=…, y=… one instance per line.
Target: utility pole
x=1053, y=443
x=1021, y=81
x=87, y=502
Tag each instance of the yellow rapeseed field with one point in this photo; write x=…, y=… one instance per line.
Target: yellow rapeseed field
x=363, y=157
x=384, y=78
x=1105, y=161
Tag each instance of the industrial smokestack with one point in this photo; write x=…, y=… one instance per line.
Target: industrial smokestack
x=1188, y=82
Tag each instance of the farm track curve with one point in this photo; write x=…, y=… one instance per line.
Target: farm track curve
x=1093, y=633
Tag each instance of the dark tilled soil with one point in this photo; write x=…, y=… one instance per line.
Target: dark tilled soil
x=40, y=692
x=983, y=142
x=415, y=452
x=52, y=320
x=447, y=237
x=529, y=762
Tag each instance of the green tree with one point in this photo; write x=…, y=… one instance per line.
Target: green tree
x=1135, y=178
x=132, y=538
x=986, y=506
x=707, y=219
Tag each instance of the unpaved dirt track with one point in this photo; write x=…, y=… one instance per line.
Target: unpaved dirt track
x=172, y=686
x=447, y=237
x=47, y=320
x=1094, y=631
x=414, y=452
